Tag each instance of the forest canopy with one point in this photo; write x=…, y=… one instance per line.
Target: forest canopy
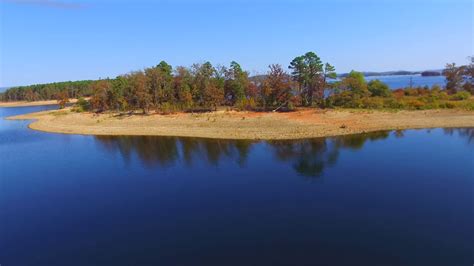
x=49, y=91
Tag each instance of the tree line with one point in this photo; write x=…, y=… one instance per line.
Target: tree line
x=204, y=87
x=49, y=91
x=199, y=87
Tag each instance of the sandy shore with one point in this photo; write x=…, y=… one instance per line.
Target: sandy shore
x=246, y=125
x=34, y=103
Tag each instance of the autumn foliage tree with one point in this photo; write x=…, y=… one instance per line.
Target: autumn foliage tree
x=454, y=77
x=182, y=87
x=100, y=97
x=469, y=74
x=62, y=98
x=139, y=93
x=276, y=88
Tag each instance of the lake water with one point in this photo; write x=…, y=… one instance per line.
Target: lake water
x=403, y=81
x=386, y=198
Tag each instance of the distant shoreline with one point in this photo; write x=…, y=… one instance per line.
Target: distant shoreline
x=304, y=123
x=32, y=103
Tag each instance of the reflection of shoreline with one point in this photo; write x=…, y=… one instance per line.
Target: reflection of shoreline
x=301, y=124
x=467, y=133
x=308, y=157
x=163, y=151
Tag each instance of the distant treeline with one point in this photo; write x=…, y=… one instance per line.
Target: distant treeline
x=430, y=73
x=202, y=87
x=50, y=91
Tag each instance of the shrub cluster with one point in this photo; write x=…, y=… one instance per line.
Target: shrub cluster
x=354, y=92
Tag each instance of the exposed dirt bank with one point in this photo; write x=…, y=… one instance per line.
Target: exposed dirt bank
x=305, y=123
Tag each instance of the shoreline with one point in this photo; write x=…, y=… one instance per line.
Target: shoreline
x=301, y=124
x=33, y=103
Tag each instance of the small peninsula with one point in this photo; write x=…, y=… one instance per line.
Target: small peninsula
x=225, y=102
x=222, y=124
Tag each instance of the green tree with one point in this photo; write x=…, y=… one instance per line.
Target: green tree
x=48, y=91
x=355, y=83
x=116, y=98
x=378, y=88
x=329, y=73
x=311, y=76
x=236, y=83
x=160, y=83
x=83, y=104
x=299, y=69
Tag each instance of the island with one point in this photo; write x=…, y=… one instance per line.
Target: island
x=430, y=73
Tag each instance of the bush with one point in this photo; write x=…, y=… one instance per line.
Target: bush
x=246, y=104
x=420, y=99
x=450, y=105
x=296, y=100
x=82, y=105
x=167, y=108
x=378, y=88
x=460, y=95
x=436, y=88
x=344, y=99
x=291, y=106
x=398, y=93
x=438, y=95
x=415, y=104
x=373, y=103
x=468, y=106
x=411, y=92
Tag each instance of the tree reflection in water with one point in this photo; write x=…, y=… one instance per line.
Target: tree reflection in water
x=308, y=157
x=165, y=151
x=467, y=133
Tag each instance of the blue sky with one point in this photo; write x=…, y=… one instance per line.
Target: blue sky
x=55, y=40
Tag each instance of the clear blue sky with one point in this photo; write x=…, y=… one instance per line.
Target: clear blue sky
x=56, y=40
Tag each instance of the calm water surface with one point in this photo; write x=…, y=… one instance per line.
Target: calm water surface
x=403, y=81
x=387, y=198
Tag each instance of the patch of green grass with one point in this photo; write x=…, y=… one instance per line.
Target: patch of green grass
x=60, y=113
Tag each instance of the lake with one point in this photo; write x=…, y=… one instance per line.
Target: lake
x=403, y=81
x=385, y=198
